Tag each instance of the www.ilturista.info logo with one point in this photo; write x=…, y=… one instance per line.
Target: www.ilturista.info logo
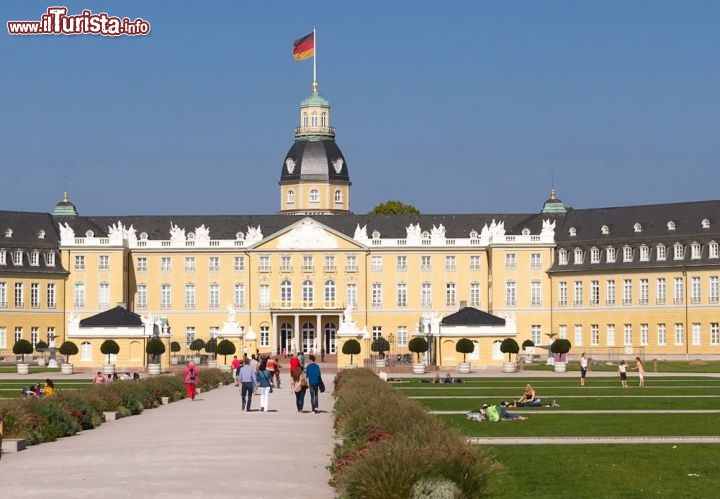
x=57, y=22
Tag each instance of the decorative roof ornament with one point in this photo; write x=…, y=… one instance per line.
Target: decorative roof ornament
x=254, y=235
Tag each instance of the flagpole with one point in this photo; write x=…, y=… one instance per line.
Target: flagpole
x=315, y=85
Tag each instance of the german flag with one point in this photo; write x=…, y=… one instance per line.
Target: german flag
x=304, y=47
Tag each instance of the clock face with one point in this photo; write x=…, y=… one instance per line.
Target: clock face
x=290, y=165
x=338, y=164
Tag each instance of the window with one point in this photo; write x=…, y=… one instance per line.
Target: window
x=165, y=264
x=714, y=333
x=578, y=299
x=562, y=329
x=290, y=197
x=35, y=258
x=425, y=263
x=594, y=292
x=49, y=259
x=86, y=351
x=79, y=295
x=214, y=298
x=536, y=333
x=450, y=264
x=660, y=290
x=189, y=335
x=329, y=293
x=51, y=295
x=141, y=264
x=671, y=225
x=239, y=264
x=562, y=257
x=627, y=335
x=572, y=232
x=313, y=119
x=34, y=335
x=678, y=291
x=350, y=263
x=307, y=263
x=605, y=230
x=578, y=334
x=610, y=255
x=562, y=294
x=637, y=228
x=696, y=335
x=35, y=295
x=286, y=292
x=239, y=295
x=3, y=337
x=264, y=264
x=376, y=264
x=644, y=253
x=474, y=262
x=314, y=195
x=189, y=264
x=510, y=261
x=679, y=333
x=695, y=251
x=611, y=335
x=402, y=336
x=401, y=293
x=535, y=261
x=661, y=334
x=285, y=263
x=190, y=296
x=264, y=336
x=165, y=296
x=426, y=295
x=644, y=291
x=376, y=332
x=627, y=254
x=627, y=291
x=578, y=256
x=450, y=295
x=661, y=252
x=265, y=296
x=474, y=294
x=594, y=255
x=401, y=263
x=535, y=294
x=3, y=294
x=644, y=334
x=510, y=293
x=3, y=257
x=695, y=290
x=705, y=224
x=104, y=262
x=610, y=292
x=713, y=289
x=308, y=292
x=18, y=334
x=376, y=297
x=594, y=335
x=79, y=262
x=17, y=257
x=329, y=263
x=351, y=295
x=104, y=295
x=678, y=251
x=141, y=297
x=338, y=197
x=713, y=250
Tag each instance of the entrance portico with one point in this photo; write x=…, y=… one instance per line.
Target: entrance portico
x=310, y=331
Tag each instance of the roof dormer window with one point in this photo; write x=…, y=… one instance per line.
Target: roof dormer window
x=50, y=259
x=594, y=255
x=8, y=232
x=473, y=234
x=671, y=225
x=627, y=254
x=705, y=224
x=191, y=236
x=35, y=258
x=678, y=251
x=89, y=234
x=562, y=257
x=637, y=227
x=376, y=235
x=610, y=254
x=239, y=236
x=17, y=257
x=41, y=234
x=578, y=256
x=3, y=257
x=695, y=251
x=661, y=252
x=713, y=250
x=143, y=236
x=644, y=253
x=526, y=232
x=604, y=230
x=572, y=232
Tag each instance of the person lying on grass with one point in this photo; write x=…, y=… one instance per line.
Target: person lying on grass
x=529, y=398
x=508, y=416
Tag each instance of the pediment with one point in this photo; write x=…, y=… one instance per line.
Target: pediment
x=308, y=234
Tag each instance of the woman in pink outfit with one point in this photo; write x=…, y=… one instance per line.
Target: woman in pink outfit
x=191, y=379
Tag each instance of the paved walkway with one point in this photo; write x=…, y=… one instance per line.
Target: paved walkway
x=187, y=449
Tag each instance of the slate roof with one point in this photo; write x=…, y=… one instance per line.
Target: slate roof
x=118, y=316
x=314, y=161
x=470, y=316
x=26, y=228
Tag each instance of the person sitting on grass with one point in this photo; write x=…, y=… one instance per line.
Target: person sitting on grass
x=529, y=398
x=49, y=390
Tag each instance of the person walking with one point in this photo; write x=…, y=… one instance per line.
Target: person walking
x=314, y=379
x=622, y=369
x=235, y=366
x=299, y=386
x=191, y=379
x=254, y=363
x=641, y=371
x=262, y=378
x=583, y=368
x=246, y=376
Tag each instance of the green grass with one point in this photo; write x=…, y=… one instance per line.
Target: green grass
x=33, y=369
x=634, y=403
x=663, y=366
x=607, y=471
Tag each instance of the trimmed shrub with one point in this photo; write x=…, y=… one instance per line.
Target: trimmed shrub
x=419, y=346
x=68, y=348
x=175, y=347
x=109, y=347
x=22, y=347
x=527, y=343
x=464, y=346
x=351, y=347
x=155, y=347
x=509, y=346
x=197, y=345
x=225, y=348
x=381, y=346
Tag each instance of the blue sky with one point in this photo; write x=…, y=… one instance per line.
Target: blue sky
x=454, y=107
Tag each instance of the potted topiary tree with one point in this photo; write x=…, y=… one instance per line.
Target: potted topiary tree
x=528, y=347
x=559, y=348
x=419, y=346
x=509, y=346
x=196, y=346
x=109, y=347
x=22, y=347
x=174, y=348
x=67, y=349
x=464, y=346
x=41, y=347
x=225, y=348
x=380, y=345
x=154, y=348
x=211, y=349
x=351, y=347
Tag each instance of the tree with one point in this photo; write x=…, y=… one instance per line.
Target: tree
x=197, y=345
x=225, y=348
x=22, y=347
x=418, y=345
x=109, y=347
x=527, y=344
x=464, y=346
x=156, y=348
x=394, y=208
x=560, y=347
x=68, y=348
x=351, y=347
x=381, y=346
x=211, y=347
x=509, y=346
x=41, y=347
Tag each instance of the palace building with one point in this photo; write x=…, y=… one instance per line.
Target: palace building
x=617, y=282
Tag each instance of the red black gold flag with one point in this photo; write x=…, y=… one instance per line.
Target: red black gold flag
x=304, y=47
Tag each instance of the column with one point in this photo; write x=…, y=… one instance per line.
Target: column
x=296, y=332
x=318, y=334
x=275, y=334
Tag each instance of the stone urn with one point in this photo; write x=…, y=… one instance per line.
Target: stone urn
x=509, y=367
x=108, y=369
x=418, y=368
x=464, y=367
x=212, y=363
x=66, y=368
x=23, y=368
x=560, y=367
x=226, y=368
x=380, y=363
x=153, y=369
x=350, y=366
x=41, y=362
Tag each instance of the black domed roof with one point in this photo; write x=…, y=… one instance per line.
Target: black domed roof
x=314, y=160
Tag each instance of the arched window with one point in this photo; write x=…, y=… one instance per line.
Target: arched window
x=627, y=254
x=661, y=252
x=705, y=224
x=578, y=256
x=594, y=255
x=329, y=293
x=644, y=253
x=305, y=119
x=286, y=334
x=291, y=197
x=562, y=257
x=637, y=227
x=679, y=253
x=610, y=254
x=314, y=195
x=671, y=225
x=323, y=119
x=605, y=230
x=572, y=232
x=313, y=119
x=307, y=291
x=85, y=351
x=330, y=335
x=695, y=250
x=286, y=291
x=338, y=196
x=89, y=233
x=41, y=234
x=308, y=336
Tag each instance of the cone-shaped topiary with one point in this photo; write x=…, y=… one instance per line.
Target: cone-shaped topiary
x=509, y=346
x=351, y=347
x=68, y=348
x=381, y=346
x=464, y=346
x=418, y=345
x=22, y=347
x=109, y=347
